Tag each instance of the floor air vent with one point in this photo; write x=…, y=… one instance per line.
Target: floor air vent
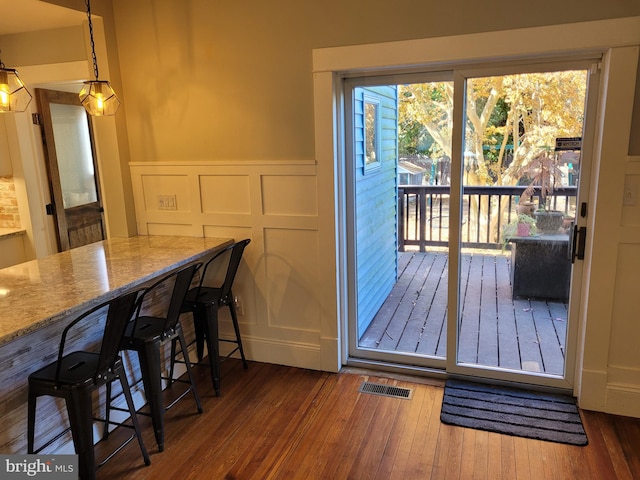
x=385, y=390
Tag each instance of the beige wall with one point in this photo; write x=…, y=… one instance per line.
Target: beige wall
x=239, y=76
x=241, y=99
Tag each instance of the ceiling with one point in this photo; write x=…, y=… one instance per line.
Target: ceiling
x=30, y=15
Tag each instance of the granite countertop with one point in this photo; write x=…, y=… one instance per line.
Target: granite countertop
x=10, y=232
x=36, y=293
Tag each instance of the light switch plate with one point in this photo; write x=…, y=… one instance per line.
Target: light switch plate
x=167, y=202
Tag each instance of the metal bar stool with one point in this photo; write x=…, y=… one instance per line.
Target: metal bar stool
x=147, y=334
x=204, y=301
x=74, y=376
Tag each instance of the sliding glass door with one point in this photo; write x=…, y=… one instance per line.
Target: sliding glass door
x=467, y=217
x=525, y=144
x=401, y=314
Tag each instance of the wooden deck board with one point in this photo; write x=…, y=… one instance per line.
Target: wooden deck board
x=378, y=330
x=470, y=314
x=507, y=331
x=433, y=337
x=528, y=341
x=495, y=329
x=415, y=327
x=488, y=334
x=558, y=311
x=548, y=336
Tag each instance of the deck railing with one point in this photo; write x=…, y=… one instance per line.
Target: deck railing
x=423, y=213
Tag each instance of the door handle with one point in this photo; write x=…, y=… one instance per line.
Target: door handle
x=578, y=240
x=581, y=242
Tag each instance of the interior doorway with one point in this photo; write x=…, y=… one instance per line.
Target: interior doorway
x=491, y=148
x=72, y=169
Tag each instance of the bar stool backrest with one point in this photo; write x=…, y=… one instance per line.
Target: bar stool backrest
x=182, y=281
x=237, y=250
x=119, y=313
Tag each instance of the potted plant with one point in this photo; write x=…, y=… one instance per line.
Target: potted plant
x=525, y=206
x=522, y=226
x=543, y=173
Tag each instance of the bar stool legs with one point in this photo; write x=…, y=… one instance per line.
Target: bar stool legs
x=207, y=317
x=152, y=380
x=147, y=335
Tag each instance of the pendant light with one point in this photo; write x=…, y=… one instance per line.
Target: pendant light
x=97, y=96
x=14, y=96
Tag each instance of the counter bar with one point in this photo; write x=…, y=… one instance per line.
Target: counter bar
x=39, y=298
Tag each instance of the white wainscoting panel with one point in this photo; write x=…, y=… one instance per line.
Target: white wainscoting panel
x=279, y=282
x=225, y=194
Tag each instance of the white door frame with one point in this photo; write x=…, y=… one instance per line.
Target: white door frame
x=459, y=75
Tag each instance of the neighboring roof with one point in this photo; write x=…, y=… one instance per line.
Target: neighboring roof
x=408, y=167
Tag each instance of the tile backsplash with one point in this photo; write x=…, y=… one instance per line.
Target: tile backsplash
x=9, y=215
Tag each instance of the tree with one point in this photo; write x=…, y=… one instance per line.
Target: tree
x=429, y=105
x=510, y=120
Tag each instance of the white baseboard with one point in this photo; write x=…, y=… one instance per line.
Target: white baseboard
x=292, y=354
x=614, y=391
x=593, y=390
x=623, y=400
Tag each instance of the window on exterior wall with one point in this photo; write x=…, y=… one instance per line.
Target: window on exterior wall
x=371, y=133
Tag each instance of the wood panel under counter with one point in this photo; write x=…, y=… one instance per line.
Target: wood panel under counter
x=39, y=298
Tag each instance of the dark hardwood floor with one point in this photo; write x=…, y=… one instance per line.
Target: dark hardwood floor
x=276, y=422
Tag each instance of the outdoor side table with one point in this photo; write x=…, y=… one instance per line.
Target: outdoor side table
x=540, y=266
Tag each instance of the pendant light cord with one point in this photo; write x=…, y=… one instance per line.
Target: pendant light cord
x=93, y=46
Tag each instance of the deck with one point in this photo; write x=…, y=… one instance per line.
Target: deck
x=495, y=330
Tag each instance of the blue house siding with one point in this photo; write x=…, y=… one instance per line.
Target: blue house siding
x=376, y=193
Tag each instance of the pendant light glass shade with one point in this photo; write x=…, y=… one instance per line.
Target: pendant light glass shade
x=14, y=96
x=98, y=98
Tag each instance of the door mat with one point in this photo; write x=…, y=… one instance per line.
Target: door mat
x=512, y=411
